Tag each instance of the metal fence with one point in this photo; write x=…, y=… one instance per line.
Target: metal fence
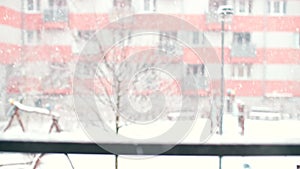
x=213, y=149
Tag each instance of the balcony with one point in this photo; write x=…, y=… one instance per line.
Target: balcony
x=243, y=50
x=201, y=82
x=169, y=48
x=56, y=15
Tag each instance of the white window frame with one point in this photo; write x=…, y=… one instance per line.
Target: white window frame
x=245, y=69
x=248, y=4
x=197, y=70
x=244, y=39
x=32, y=37
x=36, y=5
x=282, y=7
x=56, y=4
x=151, y=5
x=297, y=38
x=196, y=38
x=122, y=3
x=167, y=42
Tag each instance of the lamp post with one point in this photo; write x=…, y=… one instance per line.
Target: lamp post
x=223, y=11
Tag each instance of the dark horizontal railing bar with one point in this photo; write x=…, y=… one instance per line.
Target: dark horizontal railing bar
x=151, y=149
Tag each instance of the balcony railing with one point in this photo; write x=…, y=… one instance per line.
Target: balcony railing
x=243, y=50
x=56, y=15
x=170, y=49
x=218, y=148
x=212, y=149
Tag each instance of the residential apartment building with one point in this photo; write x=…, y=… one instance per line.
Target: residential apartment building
x=43, y=39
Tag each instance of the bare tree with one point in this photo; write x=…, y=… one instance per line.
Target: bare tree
x=132, y=87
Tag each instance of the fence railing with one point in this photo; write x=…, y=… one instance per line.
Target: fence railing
x=211, y=149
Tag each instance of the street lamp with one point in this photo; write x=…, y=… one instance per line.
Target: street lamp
x=223, y=11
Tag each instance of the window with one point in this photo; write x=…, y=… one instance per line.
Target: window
x=244, y=6
x=277, y=7
x=33, y=5
x=195, y=70
x=214, y=5
x=122, y=3
x=167, y=43
x=146, y=5
x=30, y=5
x=85, y=34
x=242, y=45
x=167, y=36
x=32, y=36
x=250, y=6
x=29, y=36
x=249, y=70
x=149, y=5
x=241, y=38
x=57, y=3
x=56, y=11
x=195, y=37
x=297, y=39
x=241, y=71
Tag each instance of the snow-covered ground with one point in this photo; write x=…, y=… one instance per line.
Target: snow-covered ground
x=262, y=128
x=254, y=129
